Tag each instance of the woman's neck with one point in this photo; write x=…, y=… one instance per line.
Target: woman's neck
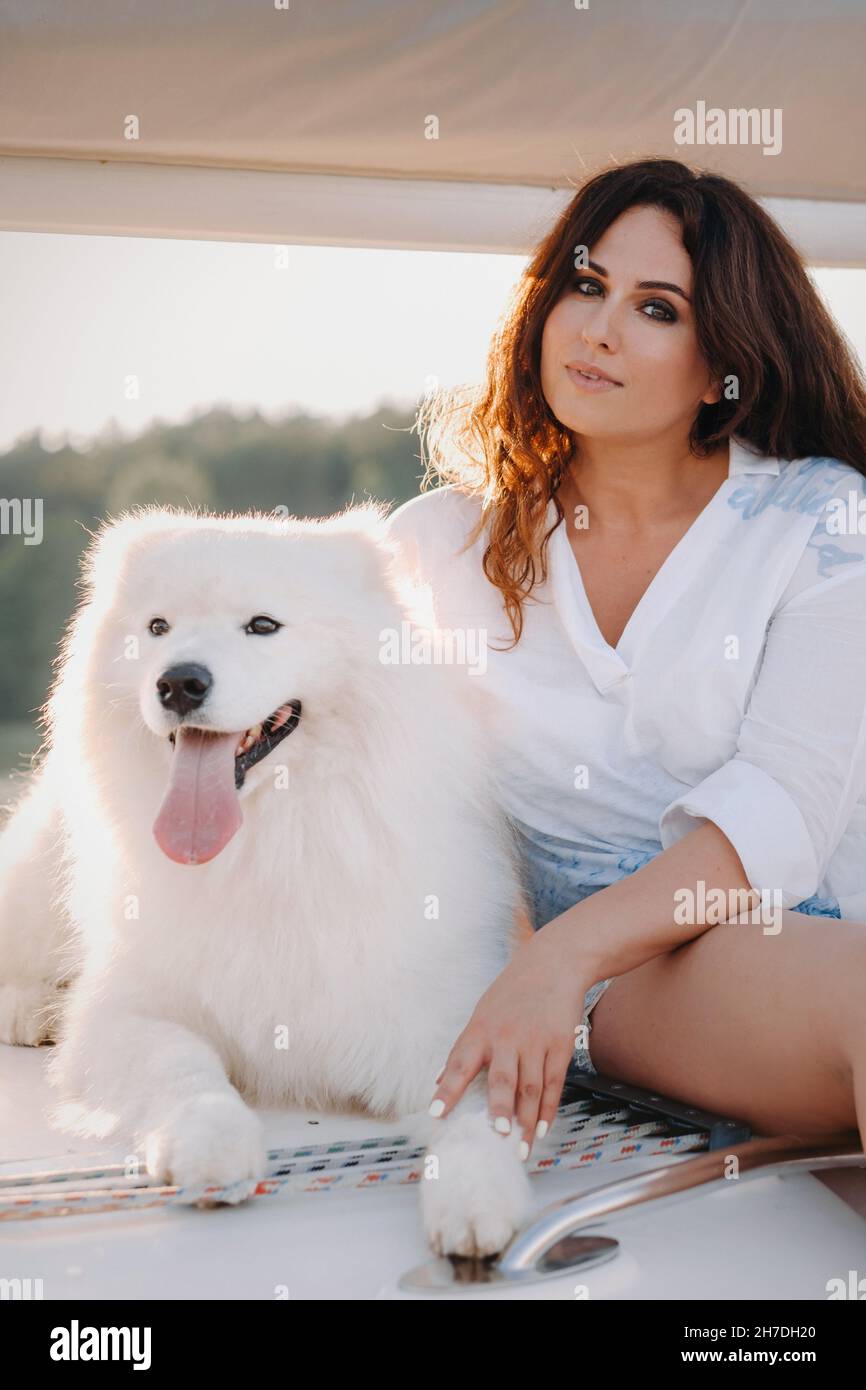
x=633, y=488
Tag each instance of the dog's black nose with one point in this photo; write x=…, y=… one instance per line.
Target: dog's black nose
x=184, y=688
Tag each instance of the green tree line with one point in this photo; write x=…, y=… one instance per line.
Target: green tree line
x=311, y=465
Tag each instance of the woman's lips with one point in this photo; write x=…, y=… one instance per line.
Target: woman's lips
x=583, y=383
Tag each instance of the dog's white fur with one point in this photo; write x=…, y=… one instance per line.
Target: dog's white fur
x=166, y=986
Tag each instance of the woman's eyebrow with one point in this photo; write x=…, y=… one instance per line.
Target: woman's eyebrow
x=644, y=284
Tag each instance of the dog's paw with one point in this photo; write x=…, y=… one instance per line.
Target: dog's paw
x=28, y=1013
x=477, y=1194
x=210, y=1140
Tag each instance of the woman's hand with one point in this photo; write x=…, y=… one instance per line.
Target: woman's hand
x=523, y=1030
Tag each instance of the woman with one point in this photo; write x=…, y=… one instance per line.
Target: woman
x=681, y=697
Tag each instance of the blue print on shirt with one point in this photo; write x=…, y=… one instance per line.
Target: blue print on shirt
x=808, y=491
x=831, y=555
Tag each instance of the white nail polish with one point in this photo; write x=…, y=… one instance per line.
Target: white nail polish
x=523, y=1151
x=436, y=1109
x=502, y=1125
x=541, y=1129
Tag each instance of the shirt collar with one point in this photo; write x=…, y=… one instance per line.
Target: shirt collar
x=746, y=458
x=742, y=458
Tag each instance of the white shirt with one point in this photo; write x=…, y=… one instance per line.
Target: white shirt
x=736, y=693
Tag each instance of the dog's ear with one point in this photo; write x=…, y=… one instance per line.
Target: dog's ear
x=116, y=541
x=371, y=554
x=380, y=560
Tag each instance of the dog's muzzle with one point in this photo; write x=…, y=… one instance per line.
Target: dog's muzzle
x=200, y=811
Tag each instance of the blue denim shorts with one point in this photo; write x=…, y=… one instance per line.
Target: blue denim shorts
x=819, y=907
x=581, y=1061
x=560, y=873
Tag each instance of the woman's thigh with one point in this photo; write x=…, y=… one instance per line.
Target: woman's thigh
x=758, y=1026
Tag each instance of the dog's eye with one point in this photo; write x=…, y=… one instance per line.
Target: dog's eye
x=262, y=626
x=158, y=626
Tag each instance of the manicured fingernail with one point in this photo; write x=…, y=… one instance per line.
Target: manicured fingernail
x=436, y=1109
x=541, y=1129
x=523, y=1151
x=502, y=1125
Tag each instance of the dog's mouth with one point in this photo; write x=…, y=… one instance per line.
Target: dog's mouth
x=258, y=741
x=200, y=811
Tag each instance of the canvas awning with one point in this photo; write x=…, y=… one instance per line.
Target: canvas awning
x=421, y=123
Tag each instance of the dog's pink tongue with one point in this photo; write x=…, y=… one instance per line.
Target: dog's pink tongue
x=200, y=811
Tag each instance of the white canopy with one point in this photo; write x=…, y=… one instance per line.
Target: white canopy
x=449, y=124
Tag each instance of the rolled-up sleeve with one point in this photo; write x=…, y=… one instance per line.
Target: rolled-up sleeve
x=786, y=796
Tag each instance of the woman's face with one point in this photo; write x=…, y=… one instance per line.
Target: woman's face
x=644, y=338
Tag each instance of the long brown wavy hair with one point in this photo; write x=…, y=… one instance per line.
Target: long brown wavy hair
x=758, y=316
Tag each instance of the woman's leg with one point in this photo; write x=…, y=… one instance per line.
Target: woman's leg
x=770, y=1029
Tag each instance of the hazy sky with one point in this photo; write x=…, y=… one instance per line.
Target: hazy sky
x=196, y=323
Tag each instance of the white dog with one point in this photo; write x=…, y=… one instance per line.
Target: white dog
x=248, y=827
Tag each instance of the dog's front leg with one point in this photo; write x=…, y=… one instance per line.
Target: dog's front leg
x=475, y=1192
x=118, y=1070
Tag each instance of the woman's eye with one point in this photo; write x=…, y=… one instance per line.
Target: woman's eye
x=158, y=626
x=262, y=626
x=577, y=281
x=667, y=315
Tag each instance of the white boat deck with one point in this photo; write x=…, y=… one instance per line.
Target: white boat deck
x=773, y=1237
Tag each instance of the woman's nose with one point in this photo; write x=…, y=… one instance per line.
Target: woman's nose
x=599, y=341
x=599, y=327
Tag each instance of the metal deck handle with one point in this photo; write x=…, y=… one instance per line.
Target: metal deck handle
x=533, y=1248
x=557, y=1243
